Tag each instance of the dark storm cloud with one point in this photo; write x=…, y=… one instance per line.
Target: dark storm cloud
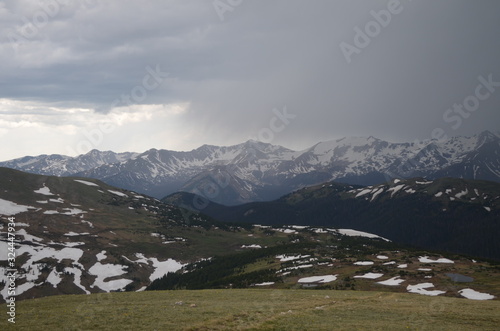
x=236, y=64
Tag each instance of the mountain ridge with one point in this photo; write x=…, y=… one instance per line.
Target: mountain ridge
x=257, y=171
x=456, y=215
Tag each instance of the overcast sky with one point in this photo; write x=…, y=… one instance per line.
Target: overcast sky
x=177, y=74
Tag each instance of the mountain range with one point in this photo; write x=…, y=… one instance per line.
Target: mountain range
x=256, y=171
x=448, y=214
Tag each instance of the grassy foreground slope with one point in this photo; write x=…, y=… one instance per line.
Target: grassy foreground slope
x=254, y=310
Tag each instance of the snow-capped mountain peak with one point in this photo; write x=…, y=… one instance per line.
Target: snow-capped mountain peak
x=255, y=170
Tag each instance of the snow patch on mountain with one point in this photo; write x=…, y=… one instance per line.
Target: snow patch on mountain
x=426, y=259
x=422, y=289
x=86, y=182
x=355, y=233
x=9, y=208
x=475, y=295
x=44, y=190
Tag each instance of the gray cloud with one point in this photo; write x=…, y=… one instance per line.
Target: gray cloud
x=262, y=55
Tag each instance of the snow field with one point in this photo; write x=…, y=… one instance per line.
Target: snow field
x=426, y=259
x=318, y=279
x=369, y=275
x=86, y=182
x=9, y=208
x=395, y=281
x=422, y=289
x=474, y=295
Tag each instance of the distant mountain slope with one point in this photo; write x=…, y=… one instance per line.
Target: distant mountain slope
x=447, y=214
x=75, y=235
x=255, y=171
x=60, y=165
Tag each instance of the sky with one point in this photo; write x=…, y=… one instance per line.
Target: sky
x=176, y=74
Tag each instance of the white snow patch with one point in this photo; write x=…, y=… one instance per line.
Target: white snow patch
x=364, y=263
x=9, y=208
x=251, y=246
x=72, y=211
x=421, y=289
x=403, y=266
x=44, y=190
x=424, y=269
x=395, y=189
x=382, y=257
x=487, y=208
x=261, y=226
x=426, y=259
x=54, y=278
x=285, y=258
x=88, y=223
x=389, y=263
x=27, y=236
x=50, y=212
x=101, y=256
x=299, y=227
x=355, y=233
x=104, y=271
x=369, y=275
x=365, y=191
x=163, y=267
x=71, y=244
x=120, y=194
x=318, y=279
x=86, y=182
x=265, y=284
x=43, y=201
x=374, y=196
x=437, y=195
x=58, y=200
x=395, y=281
x=74, y=234
x=77, y=277
x=461, y=194
x=474, y=295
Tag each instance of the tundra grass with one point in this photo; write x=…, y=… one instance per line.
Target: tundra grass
x=254, y=309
